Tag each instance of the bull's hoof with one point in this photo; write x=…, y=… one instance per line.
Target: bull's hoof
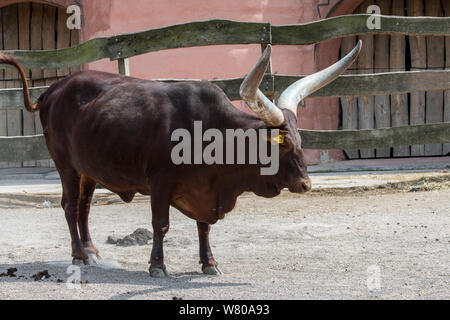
x=93, y=259
x=158, y=272
x=212, y=271
x=80, y=262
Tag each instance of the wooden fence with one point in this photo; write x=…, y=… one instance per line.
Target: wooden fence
x=391, y=53
x=216, y=32
x=31, y=26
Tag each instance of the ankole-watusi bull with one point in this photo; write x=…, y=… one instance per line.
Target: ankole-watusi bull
x=112, y=130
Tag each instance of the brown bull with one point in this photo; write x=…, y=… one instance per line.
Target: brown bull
x=112, y=130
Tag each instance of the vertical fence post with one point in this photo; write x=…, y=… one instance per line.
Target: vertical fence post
x=268, y=71
x=446, y=5
x=434, y=112
x=269, y=67
x=124, y=67
x=418, y=49
x=349, y=104
x=365, y=63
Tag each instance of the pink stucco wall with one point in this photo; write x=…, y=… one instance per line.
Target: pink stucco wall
x=219, y=61
x=111, y=17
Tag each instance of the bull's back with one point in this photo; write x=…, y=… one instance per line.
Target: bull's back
x=102, y=126
x=117, y=129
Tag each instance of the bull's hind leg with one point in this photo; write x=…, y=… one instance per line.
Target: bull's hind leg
x=209, y=264
x=87, y=188
x=71, y=192
x=160, y=222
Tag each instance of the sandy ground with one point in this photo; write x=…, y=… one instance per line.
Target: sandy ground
x=389, y=241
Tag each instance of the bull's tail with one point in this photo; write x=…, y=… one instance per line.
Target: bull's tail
x=4, y=59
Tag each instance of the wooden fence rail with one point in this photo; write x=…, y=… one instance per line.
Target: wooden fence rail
x=344, y=86
x=219, y=32
x=375, y=138
x=13, y=98
x=15, y=149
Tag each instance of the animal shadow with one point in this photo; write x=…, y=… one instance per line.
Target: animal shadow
x=63, y=272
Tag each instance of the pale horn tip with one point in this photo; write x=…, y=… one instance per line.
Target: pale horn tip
x=358, y=47
x=353, y=55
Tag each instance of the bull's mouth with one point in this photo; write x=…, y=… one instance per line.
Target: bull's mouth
x=301, y=186
x=274, y=189
x=269, y=190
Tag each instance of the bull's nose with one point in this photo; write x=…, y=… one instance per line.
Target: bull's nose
x=306, y=184
x=300, y=186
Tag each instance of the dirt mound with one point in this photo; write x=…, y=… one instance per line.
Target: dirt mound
x=139, y=237
x=441, y=182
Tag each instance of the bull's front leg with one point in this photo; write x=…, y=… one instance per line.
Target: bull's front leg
x=160, y=223
x=209, y=264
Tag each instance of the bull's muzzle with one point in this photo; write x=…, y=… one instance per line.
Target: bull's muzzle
x=301, y=186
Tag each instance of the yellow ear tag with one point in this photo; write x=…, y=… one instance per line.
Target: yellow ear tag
x=279, y=139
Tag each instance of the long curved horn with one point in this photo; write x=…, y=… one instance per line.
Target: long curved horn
x=296, y=92
x=255, y=99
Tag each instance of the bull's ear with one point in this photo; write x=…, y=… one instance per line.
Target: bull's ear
x=282, y=139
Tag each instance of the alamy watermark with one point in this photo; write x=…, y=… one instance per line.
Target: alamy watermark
x=374, y=21
x=373, y=281
x=228, y=147
x=74, y=20
x=74, y=279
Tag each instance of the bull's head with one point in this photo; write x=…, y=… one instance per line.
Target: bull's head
x=292, y=172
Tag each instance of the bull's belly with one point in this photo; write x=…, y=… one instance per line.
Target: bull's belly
x=197, y=203
x=201, y=213
x=125, y=183
x=201, y=203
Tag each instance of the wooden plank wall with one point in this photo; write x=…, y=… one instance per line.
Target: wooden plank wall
x=11, y=41
x=24, y=44
x=48, y=43
x=389, y=53
x=365, y=63
x=397, y=62
x=3, y=123
x=74, y=41
x=382, y=103
x=435, y=60
x=63, y=39
x=418, y=49
x=32, y=26
x=37, y=15
x=446, y=7
x=349, y=105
